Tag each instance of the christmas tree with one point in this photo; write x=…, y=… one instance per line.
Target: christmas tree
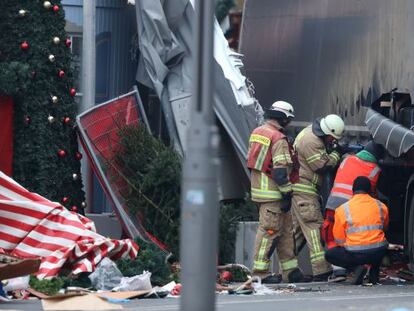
x=35, y=70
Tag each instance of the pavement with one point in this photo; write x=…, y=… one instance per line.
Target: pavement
x=323, y=297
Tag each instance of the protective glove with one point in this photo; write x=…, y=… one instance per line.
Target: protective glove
x=286, y=202
x=341, y=149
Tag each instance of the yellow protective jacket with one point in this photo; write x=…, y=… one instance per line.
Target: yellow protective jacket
x=263, y=187
x=313, y=159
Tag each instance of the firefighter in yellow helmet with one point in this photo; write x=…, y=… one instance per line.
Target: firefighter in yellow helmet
x=271, y=165
x=312, y=146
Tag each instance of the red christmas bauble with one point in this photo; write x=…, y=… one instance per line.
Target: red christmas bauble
x=61, y=153
x=65, y=200
x=34, y=73
x=55, y=8
x=74, y=208
x=24, y=45
x=72, y=92
x=68, y=42
x=61, y=73
x=78, y=155
x=66, y=120
x=227, y=276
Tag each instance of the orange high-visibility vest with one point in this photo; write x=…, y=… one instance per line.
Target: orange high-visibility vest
x=351, y=167
x=360, y=223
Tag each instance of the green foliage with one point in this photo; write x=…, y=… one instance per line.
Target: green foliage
x=14, y=77
x=230, y=214
x=48, y=287
x=154, y=180
x=222, y=9
x=31, y=79
x=154, y=171
x=150, y=258
x=81, y=280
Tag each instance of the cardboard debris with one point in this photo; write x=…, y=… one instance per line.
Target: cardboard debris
x=124, y=295
x=40, y=295
x=12, y=267
x=89, y=302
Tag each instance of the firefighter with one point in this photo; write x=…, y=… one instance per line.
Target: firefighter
x=364, y=163
x=359, y=232
x=312, y=146
x=271, y=164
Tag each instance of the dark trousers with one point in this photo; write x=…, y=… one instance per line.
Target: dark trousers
x=341, y=257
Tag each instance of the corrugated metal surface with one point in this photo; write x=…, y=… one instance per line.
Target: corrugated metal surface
x=328, y=56
x=115, y=21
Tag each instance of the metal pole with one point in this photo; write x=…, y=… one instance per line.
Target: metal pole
x=88, y=79
x=199, y=206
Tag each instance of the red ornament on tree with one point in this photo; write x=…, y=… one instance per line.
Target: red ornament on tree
x=74, y=208
x=65, y=200
x=66, y=120
x=68, y=42
x=24, y=45
x=78, y=155
x=61, y=153
x=34, y=74
x=55, y=8
x=72, y=92
x=61, y=73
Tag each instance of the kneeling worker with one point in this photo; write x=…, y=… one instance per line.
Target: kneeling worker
x=359, y=232
x=364, y=163
x=271, y=164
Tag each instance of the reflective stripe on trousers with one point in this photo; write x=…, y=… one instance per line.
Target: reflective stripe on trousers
x=289, y=265
x=305, y=189
x=318, y=254
x=262, y=263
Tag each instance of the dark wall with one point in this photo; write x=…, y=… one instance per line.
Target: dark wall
x=328, y=56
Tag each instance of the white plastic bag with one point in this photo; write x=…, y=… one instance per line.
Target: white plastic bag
x=137, y=282
x=21, y=282
x=106, y=276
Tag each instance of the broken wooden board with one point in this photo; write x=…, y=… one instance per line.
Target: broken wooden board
x=13, y=267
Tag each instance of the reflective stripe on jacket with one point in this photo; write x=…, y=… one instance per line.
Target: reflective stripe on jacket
x=261, y=141
x=268, y=139
x=313, y=158
x=360, y=224
x=350, y=168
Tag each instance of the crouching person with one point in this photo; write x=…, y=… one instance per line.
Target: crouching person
x=359, y=232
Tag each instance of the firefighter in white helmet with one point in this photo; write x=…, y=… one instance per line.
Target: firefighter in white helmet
x=314, y=146
x=272, y=167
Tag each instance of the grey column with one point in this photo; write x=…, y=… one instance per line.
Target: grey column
x=88, y=79
x=199, y=207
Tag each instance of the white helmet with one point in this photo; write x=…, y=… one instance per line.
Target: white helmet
x=333, y=125
x=283, y=107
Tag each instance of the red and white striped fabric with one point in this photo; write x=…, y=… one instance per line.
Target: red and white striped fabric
x=32, y=226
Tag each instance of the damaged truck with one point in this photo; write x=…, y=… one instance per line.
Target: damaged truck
x=354, y=58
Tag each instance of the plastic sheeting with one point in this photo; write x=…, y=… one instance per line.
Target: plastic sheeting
x=393, y=136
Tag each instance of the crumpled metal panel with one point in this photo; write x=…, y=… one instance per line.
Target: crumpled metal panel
x=166, y=65
x=396, y=138
x=328, y=56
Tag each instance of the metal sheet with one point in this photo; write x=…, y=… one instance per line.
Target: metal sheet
x=394, y=137
x=328, y=56
x=165, y=36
